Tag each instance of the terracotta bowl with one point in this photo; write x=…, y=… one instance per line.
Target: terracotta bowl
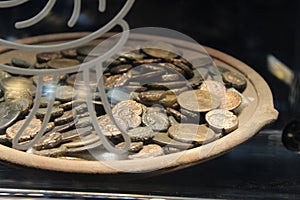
x=254, y=117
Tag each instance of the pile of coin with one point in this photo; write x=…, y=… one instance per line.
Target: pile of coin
x=164, y=102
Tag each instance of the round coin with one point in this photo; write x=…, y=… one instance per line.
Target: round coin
x=222, y=121
x=18, y=83
x=48, y=141
x=141, y=134
x=108, y=128
x=55, y=112
x=47, y=56
x=233, y=79
x=69, y=53
x=30, y=131
x=190, y=133
x=20, y=63
x=134, y=146
x=62, y=63
x=157, y=121
x=10, y=111
x=67, y=116
x=214, y=87
x=159, y=49
x=164, y=140
x=64, y=93
x=198, y=100
x=232, y=100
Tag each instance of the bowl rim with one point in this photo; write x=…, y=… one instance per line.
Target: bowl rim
x=260, y=117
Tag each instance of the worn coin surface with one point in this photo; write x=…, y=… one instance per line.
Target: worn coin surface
x=214, y=87
x=53, y=152
x=232, y=100
x=190, y=133
x=164, y=140
x=222, y=121
x=47, y=56
x=69, y=53
x=62, y=63
x=198, y=100
x=55, y=112
x=10, y=111
x=75, y=133
x=64, y=93
x=141, y=134
x=30, y=131
x=157, y=121
x=67, y=116
x=108, y=128
x=18, y=83
x=233, y=79
x=20, y=63
x=148, y=151
x=134, y=146
x=48, y=141
x=152, y=95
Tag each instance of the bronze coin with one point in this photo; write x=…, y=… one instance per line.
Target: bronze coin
x=76, y=80
x=176, y=114
x=148, y=151
x=64, y=93
x=119, y=69
x=130, y=105
x=62, y=63
x=170, y=77
x=198, y=100
x=144, y=77
x=75, y=134
x=163, y=139
x=67, y=116
x=24, y=103
x=46, y=57
x=132, y=55
x=48, y=141
x=69, y=53
x=83, y=141
x=169, y=100
x=85, y=147
x=47, y=79
x=157, y=121
x=108, y=128
x=115, y=80
x=222, y=121
x=55, y=112
x=134, y=146
x=232, y=100
x=236, y=80
x=91, y=50
x=175, y=68
x=53, y=152
x=146, y=61
x=190, y=133
x=197, y=79
x=188, y=72
x=17, y=94
x=159, y=49
x=152, y=95
x=44, y=101
x=10, y=111
x=30, y=131
x=139, y=134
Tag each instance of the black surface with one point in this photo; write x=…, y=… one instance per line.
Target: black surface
x=261, y=168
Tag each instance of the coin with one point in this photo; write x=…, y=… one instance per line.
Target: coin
x=62, y=63
x=10, y=111
x=141, y=134
x=191, y=133
x=222, y=121
x=197, y=79
x=44, y=101
x=55, y=112
x=232, y=100
x=47, y=56
x=115, y=80
x=134, y=146
x=148, y=151
x=4, y=74
x=131, y=105
x=20, y=63
x=170, y=77
x=47, y=79
x=163, y=139
x=69, y=53
x=67, y=116
x=233, y=79
x=119, y=69
x=132, y=55
x=176, y=114
x=214, y=87
x=169, y=100
x=85, y=147
x=152, y=95
x=117, y=94
x=198, y=100
x=48, y=141
x=188, y=72
x=75, y=133
x=17, y=94
x=83, y=141
x=90, y=50
x=24, y=103
x=159, y=49
x=30, y=131
x=146, y=61
x=157, y=121
x=108, y=128
x=18, y=83
x=53, y=152
x=64, y=93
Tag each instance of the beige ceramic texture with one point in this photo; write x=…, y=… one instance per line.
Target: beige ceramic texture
x=259, y=113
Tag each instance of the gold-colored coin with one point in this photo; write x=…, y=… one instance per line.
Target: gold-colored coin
x=232, y=100
x=62, y=63
x=198, y=100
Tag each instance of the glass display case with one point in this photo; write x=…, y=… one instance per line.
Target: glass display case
x=263, y=165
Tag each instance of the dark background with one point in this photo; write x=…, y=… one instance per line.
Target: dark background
x=246, y=29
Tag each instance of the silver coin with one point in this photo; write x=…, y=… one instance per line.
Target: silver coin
x=10, y=111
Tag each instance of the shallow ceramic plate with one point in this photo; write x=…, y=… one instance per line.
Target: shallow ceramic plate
x=256, y=115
